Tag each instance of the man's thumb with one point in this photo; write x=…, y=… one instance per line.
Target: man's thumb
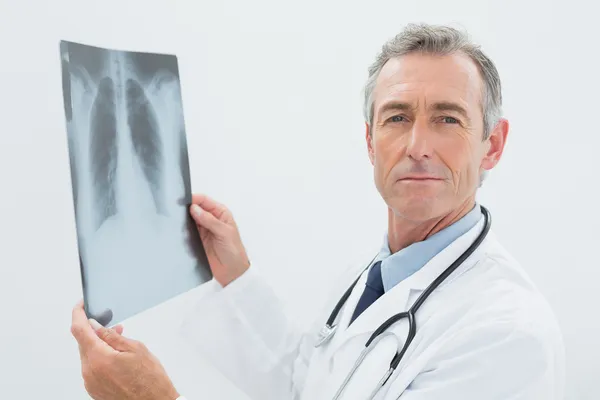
x=111, y=337
x=206, y=220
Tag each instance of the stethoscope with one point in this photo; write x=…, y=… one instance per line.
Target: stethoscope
x=330, y=327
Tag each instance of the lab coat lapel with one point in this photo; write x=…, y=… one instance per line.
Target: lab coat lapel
x=400, y=297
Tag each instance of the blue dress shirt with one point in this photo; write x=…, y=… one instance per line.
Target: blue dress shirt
x=402, y=264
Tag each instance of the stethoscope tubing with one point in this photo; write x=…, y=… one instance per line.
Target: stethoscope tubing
x=410, y=314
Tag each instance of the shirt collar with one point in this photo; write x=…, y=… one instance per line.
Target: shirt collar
x=398, y=266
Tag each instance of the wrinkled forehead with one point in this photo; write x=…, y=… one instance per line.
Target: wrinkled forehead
x=422, y=79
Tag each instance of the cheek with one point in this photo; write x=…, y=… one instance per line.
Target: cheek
x=458, y=154
x=389, y=150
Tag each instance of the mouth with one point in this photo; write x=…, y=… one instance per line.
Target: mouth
x=419, y=179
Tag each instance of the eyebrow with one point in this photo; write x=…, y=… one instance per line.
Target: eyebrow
x=439, y=106
x=450, y=106
x=395, y=105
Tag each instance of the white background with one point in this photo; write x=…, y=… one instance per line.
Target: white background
x=271, y=93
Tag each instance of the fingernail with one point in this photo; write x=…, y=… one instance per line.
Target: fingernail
x=95, y=324
x=196, y=209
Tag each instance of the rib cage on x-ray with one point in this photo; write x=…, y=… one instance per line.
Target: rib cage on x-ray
x=122, y=112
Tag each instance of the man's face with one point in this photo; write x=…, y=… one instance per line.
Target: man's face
x=426, y=140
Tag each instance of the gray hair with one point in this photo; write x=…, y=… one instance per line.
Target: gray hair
x=439, y=40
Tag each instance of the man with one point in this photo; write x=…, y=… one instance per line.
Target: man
x=433, y=128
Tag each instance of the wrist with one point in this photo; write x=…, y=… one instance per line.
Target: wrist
x=226, y=281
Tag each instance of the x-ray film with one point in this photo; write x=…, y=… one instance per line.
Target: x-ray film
x=138, y=246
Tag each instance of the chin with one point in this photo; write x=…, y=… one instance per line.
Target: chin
x=416, y=208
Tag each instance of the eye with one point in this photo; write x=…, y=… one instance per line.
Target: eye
x=450, y=120
x=397, y=118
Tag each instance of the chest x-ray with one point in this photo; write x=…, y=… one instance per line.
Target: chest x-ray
x=137, y=243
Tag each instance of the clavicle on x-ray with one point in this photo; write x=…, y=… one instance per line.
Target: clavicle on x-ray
x=130, y=177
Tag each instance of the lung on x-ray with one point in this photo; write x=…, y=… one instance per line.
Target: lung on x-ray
x=138, y=246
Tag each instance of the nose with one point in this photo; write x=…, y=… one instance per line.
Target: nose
x=419, y=141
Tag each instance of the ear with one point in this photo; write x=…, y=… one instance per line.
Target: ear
x=369, y=139
x=495, y=145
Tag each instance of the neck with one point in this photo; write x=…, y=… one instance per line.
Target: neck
x=403, y=232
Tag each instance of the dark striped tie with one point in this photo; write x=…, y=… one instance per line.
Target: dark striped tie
x=373, y=290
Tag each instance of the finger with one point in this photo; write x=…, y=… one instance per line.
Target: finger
x=81, y=329
x=206, y=220
x=118, y=329
x=112, y=337
x=209, y=204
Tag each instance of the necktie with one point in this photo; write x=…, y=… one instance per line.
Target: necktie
x=373, y=290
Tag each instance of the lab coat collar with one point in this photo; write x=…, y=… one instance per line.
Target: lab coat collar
x=397, y=299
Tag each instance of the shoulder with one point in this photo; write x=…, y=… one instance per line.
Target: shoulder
x=511, y=290
x=501, y=292
x=504, y=321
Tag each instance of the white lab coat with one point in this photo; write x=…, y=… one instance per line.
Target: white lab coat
x=485, y=334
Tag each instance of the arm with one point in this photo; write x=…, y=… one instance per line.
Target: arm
x=240, y=326
x=248, y=336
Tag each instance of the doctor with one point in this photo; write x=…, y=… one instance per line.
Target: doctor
x=434, y=126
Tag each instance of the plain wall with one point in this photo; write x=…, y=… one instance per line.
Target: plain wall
x=272, y=101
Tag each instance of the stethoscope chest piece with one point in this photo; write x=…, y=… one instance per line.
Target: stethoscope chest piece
x=325, y=334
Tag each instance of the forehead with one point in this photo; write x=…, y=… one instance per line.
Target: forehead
x=418, y=78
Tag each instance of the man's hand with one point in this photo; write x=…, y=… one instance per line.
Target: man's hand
x=116, y=367
x=221, y=239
